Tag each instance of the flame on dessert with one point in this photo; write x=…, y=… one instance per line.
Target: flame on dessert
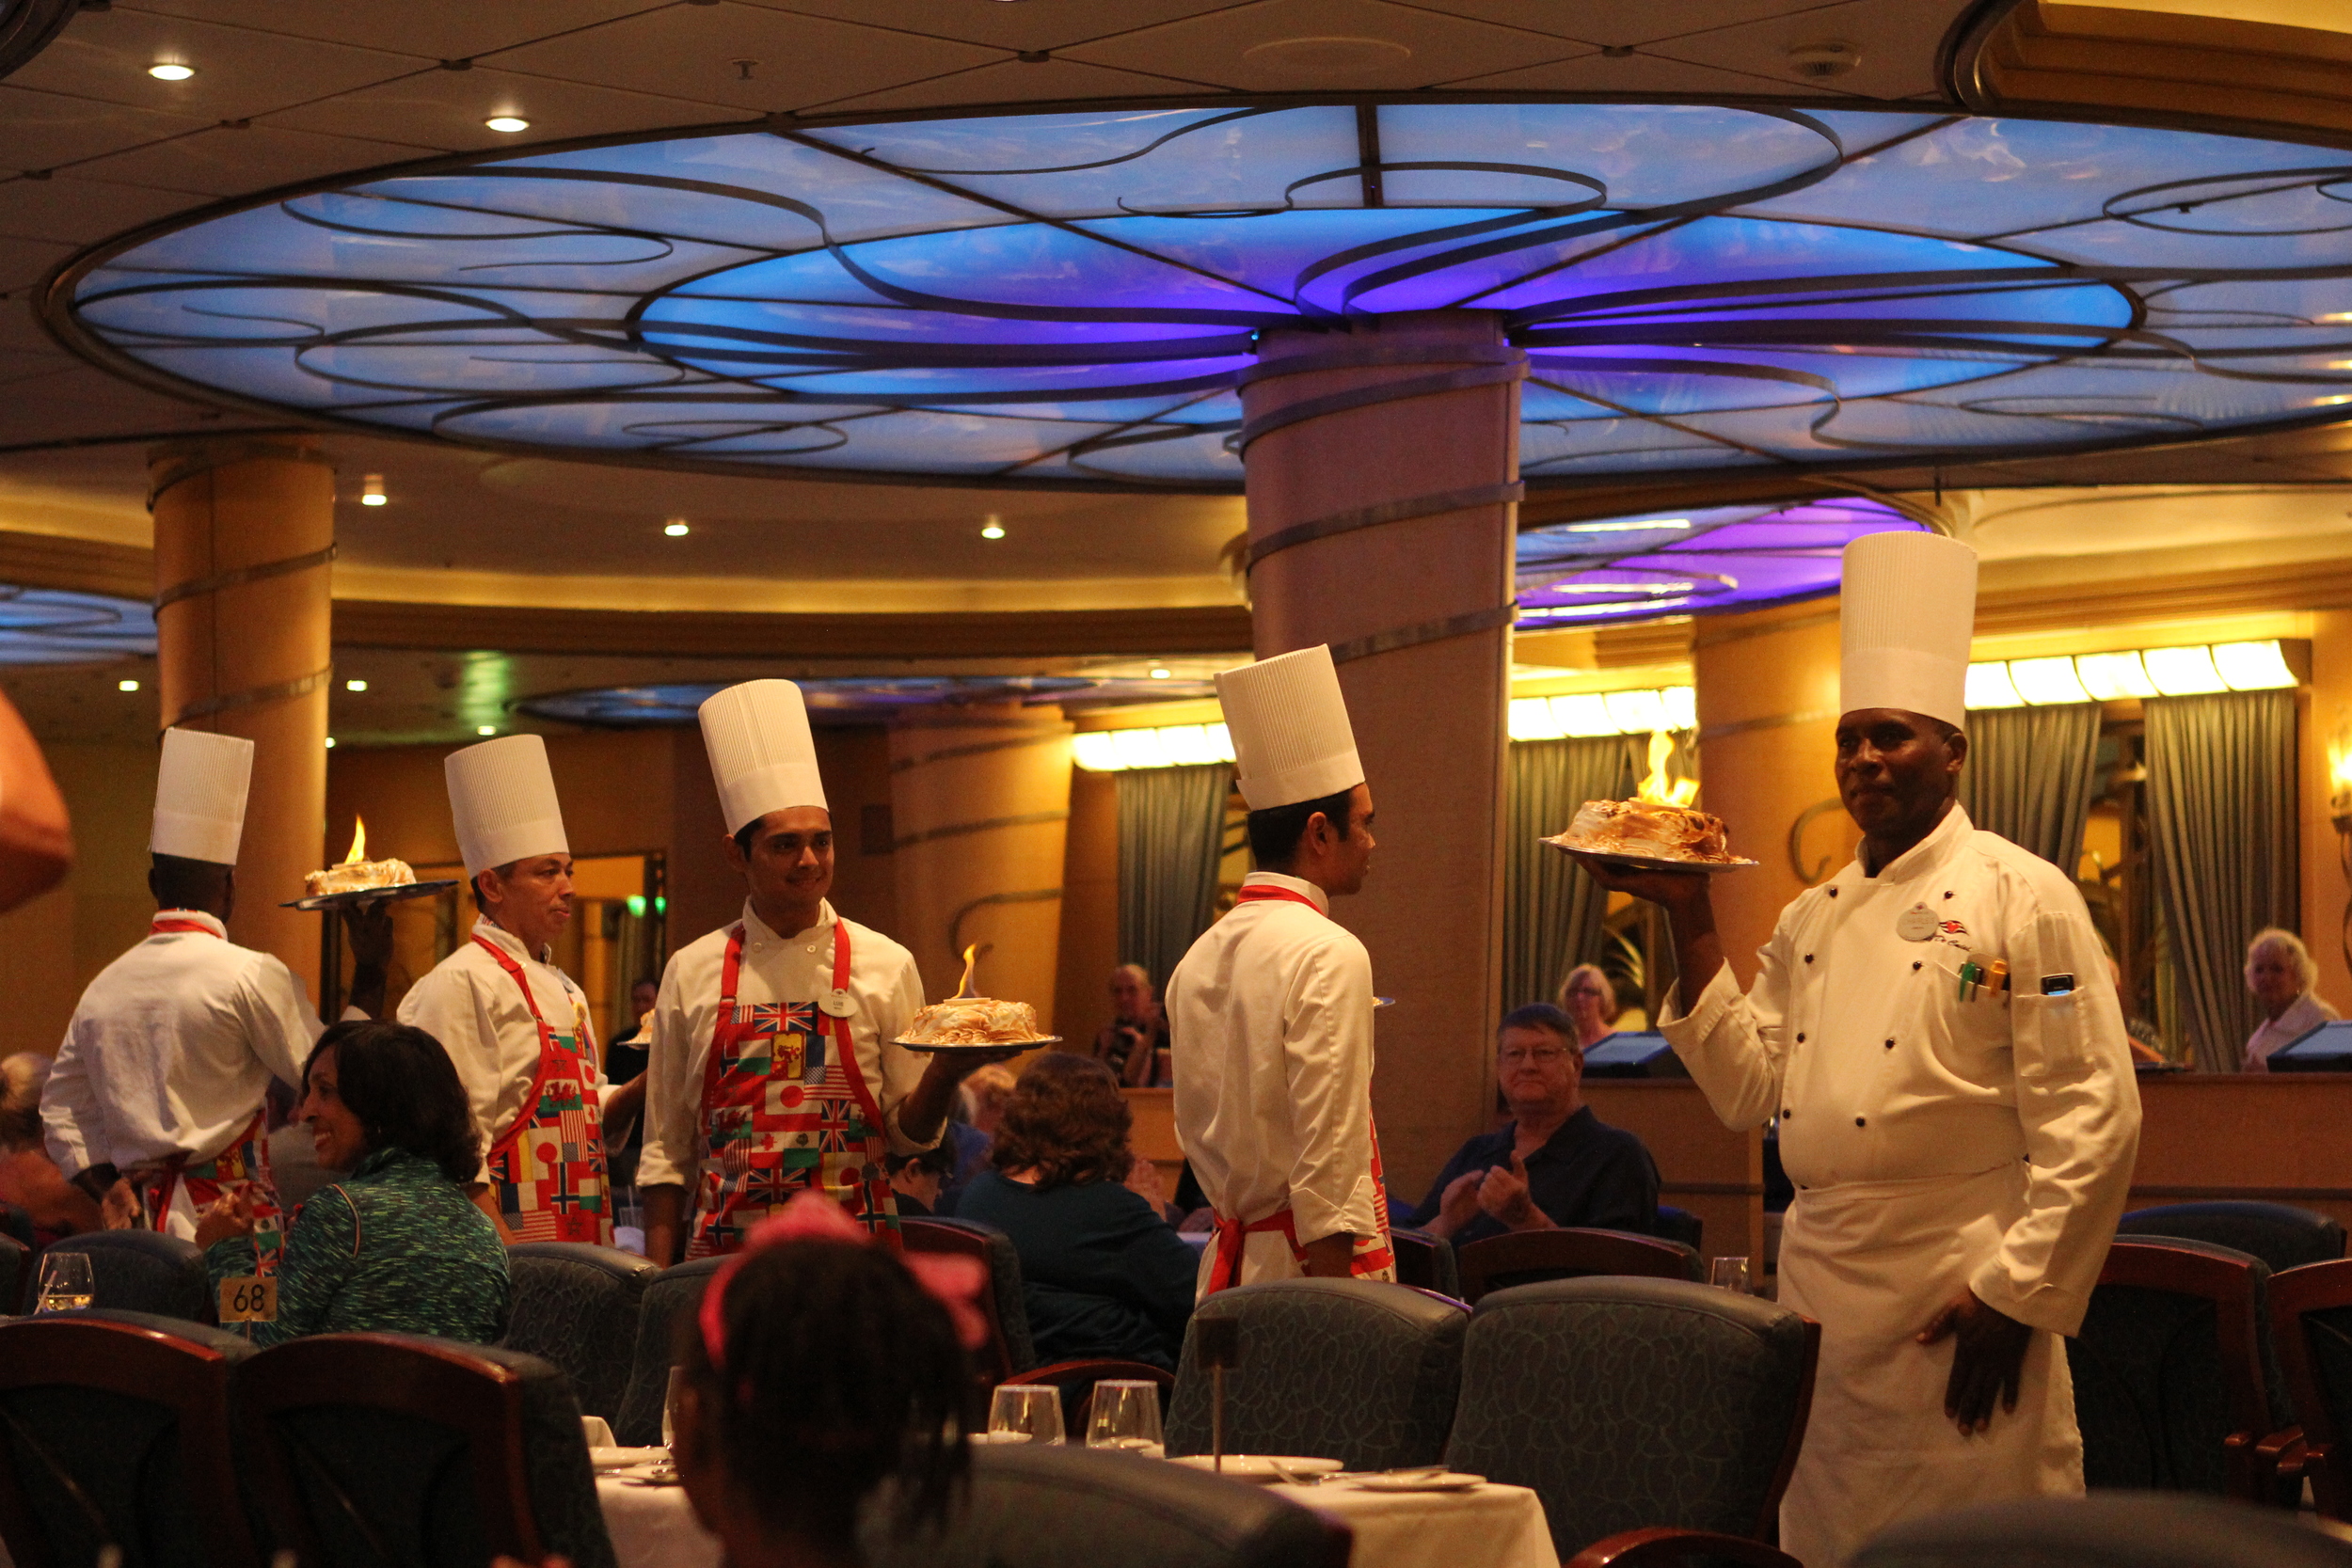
x=971, y=957
x=358, y=842
x=1661, y=787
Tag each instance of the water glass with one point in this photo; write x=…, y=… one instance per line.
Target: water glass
x=669, y=1408
x=1030, y=1411
x=66, y=1284
x=1729, y=1273
x=1126, y=1414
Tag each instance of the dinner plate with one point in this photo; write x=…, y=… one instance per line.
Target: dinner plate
x=1262, y=1466
x=1451, y=1481
x=950, y=1049
x=369, y=896
x=1565, y=845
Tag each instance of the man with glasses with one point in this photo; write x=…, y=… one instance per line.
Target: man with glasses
x=1557, y=1163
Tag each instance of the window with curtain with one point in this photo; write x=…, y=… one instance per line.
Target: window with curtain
x=2029, y=775
x=2221, y=809
x=1553, y=913
x=1170, y=830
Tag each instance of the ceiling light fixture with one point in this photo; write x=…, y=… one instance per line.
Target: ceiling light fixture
x=355, y=686
x=126, y=686
x=170, y=71
x=330, y=742
x=1160, y=674
x=485, y=729
x=1170, y=746
x=1625, y=528
x=1639, y=712
x=2261, y=666
x=991, y=529
x=371, y=490
x=507, y=125
x=675, y=527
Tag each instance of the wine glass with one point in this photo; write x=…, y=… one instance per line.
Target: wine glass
x=1025, y=1413
x=669, y=1412
x=1126, y=1414
x=66, y=1284
x=1729, y=1273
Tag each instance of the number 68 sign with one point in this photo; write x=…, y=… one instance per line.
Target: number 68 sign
x=248, y=1299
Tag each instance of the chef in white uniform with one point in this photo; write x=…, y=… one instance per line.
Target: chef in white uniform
x=772, y=1065
x=516, y=1026
x=168, y=1058
x=1269, y=1013
x=1934, y=1029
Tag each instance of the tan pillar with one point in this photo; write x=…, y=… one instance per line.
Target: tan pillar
x=243, y=534
x=2326, y=854
x=979, y=803
x=1383, y=465
x=1768, y=721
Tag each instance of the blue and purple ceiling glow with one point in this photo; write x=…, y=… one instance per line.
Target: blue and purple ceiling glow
x=1071, y=297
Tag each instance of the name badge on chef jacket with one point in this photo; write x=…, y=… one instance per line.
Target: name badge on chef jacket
x=1915, y=924
x=837, y=1002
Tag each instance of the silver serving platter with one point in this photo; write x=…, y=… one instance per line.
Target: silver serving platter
x=946, y=1049
x=369, y=896
x=1565, y=845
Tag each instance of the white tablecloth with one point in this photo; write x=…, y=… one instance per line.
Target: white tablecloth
x=1494, y=1527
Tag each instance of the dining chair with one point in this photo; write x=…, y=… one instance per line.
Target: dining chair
x=1425, y=1262
x=16, y=1266
x=115, y=1430
x=141, y=1271
x=671, y=1295
x=2280, y=1234
x=2175, y=1383
x=1009, y=1347
x=1075, y=1380
x=576, y=1305
x=2106, y=1529
x=18, y=1222
x=1681, y=1224
x=1056, y=1507
x=1354, y=1369
x=1653, y=1417
x=2311, y=1325
x=1527, y=1256
x=397, y=1451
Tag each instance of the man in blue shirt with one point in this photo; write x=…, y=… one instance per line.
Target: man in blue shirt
x=1557, y=1163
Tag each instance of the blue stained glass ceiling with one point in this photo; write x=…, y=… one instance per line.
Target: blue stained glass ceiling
x=1072, y=297
x=52, y=626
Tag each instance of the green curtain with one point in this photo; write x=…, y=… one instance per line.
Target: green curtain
x=2028, y=777
x=1170, y=824
x=2222, y=831
x=1552, y=912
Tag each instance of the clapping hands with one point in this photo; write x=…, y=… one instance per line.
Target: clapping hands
x=230, y=1216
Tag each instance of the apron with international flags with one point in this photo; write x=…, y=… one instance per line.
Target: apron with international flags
x=1375, y=1255
x=782, y=1112
x=195, y=1185
x=547, y=1172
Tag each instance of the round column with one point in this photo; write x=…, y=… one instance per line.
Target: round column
x=979, y=805
x=1382, y=474
x=243, y=534
x=1767, y=685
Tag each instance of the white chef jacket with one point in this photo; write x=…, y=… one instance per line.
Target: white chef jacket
x=2306, y=1013
x=1935, y=1142
x=1269, y=1022
x=885, y=989
x=477, y=1012
x=171, y=1050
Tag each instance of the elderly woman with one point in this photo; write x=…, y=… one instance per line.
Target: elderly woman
x=1101, y=1271
x=397, y=1244
x=28, y=1178
x=2279, y=972
x=1591, y=1001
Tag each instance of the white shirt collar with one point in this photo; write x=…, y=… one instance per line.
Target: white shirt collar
x=1295, y=884
x=755, y=929
x=198, y=917
x=505, y=941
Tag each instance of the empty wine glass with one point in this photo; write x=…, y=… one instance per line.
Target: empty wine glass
x=669, y=1411
x=1126, y=1414
x=66, y=1282
x=1025, y=1413
x=1729, y=1273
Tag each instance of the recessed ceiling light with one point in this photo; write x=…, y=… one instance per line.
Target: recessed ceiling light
x=355, y=686
x=371, y=490
x=675, y=527
x=170, y=71
x=485, y=729
x=1159, y=675
x=991, y=529
x=330, y=742
x=126, y=686
x=507, y=123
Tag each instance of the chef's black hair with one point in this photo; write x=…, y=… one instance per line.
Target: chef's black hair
x=402, y=1085
x=179, y=883
x=1274, y=832
x=473, y=884
x=841, y=1374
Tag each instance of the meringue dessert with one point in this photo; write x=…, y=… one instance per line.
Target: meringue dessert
x=973, y=1020
x=361, y=877
x=1650, y=831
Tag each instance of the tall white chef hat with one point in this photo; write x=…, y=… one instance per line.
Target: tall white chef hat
x=200, y=784
x=1904, y=619
x=1292, y=742
x=761, y=751
x=502, y=796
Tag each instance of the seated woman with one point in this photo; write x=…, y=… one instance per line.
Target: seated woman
x=28, y=1178
x=396, y=1244
x=2279, y=972
x=1102, y=1271
x=1588, y=998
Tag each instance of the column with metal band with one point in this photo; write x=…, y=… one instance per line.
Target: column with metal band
x=979, y=799
x=1382, y=461
x=245, y=533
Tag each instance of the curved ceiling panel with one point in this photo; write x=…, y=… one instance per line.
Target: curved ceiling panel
x=1074, y=297
x=51, y=626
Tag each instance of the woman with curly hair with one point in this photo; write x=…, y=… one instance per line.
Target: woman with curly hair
x=397, y=1244
x=1102, y=1271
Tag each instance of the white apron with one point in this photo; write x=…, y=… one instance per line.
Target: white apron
x=1873, y=1261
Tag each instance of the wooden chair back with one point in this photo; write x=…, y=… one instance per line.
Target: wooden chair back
x=1527, y=1256
x=1010, y=1348
x=2310, y=1327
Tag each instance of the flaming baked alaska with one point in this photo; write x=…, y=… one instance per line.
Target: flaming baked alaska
x=973, y=1020
x=1650, y=830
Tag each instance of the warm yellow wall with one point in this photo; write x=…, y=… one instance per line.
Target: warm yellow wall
x=1090, y=910
x=52, y=947
x=2327, y=732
